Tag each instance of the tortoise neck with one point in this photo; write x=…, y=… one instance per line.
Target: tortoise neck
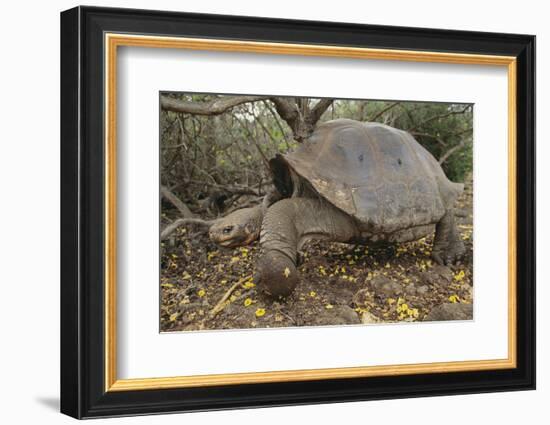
x=290, y=223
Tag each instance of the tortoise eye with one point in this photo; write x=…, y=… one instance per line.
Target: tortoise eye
x=227, y=230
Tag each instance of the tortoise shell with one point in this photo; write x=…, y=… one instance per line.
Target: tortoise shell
x=378, y=174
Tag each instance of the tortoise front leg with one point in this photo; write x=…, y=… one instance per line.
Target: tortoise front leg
x=286, y=226
x=448, y=247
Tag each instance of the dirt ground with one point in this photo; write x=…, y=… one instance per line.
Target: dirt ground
x=206, y=287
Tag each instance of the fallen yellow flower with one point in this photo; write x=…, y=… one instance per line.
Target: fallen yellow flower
x=454, y=298
x=260, y=312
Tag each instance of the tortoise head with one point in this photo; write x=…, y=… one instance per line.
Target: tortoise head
x=238, y=228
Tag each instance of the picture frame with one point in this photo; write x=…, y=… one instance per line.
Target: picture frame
x=90, y=40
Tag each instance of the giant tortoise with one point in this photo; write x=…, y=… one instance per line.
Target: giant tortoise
x=349, y=182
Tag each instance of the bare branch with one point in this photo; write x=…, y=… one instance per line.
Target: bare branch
x=212, y=107
x=431, y=136
x=171, y=228
x=439, y=139
x=236, y=189
x=251, y=137
x=437, y=117
x=277, y=119
x=318, y=110
x=383, y=111
x=175, y=201
x=451, y=151
x=223, y=301
x=288, y=111
x=298, y=116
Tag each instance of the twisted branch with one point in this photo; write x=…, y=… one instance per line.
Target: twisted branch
x=213, y=107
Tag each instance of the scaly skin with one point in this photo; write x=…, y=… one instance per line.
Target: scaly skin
x=287, y=225
x=447, y=247
x=239, y=228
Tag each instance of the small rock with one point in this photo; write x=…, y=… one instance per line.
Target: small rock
x=361, y=297
x=410, y=290
x=450, y=311
x=445, y=273
x=333, y=280
x=367, y=317
x=422, y=290
x=437, y=275
x=343, y=294
x=387, y=287
x=338, y=315
x=347, y=313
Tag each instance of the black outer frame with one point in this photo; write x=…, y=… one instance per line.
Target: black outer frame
x=82, y=212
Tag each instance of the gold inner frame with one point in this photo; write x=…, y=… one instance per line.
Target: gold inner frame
x=113, y=41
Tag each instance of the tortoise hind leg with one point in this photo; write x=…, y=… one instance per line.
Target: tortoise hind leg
x=447, y=247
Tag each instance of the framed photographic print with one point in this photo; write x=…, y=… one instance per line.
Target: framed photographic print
x=261, y=212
